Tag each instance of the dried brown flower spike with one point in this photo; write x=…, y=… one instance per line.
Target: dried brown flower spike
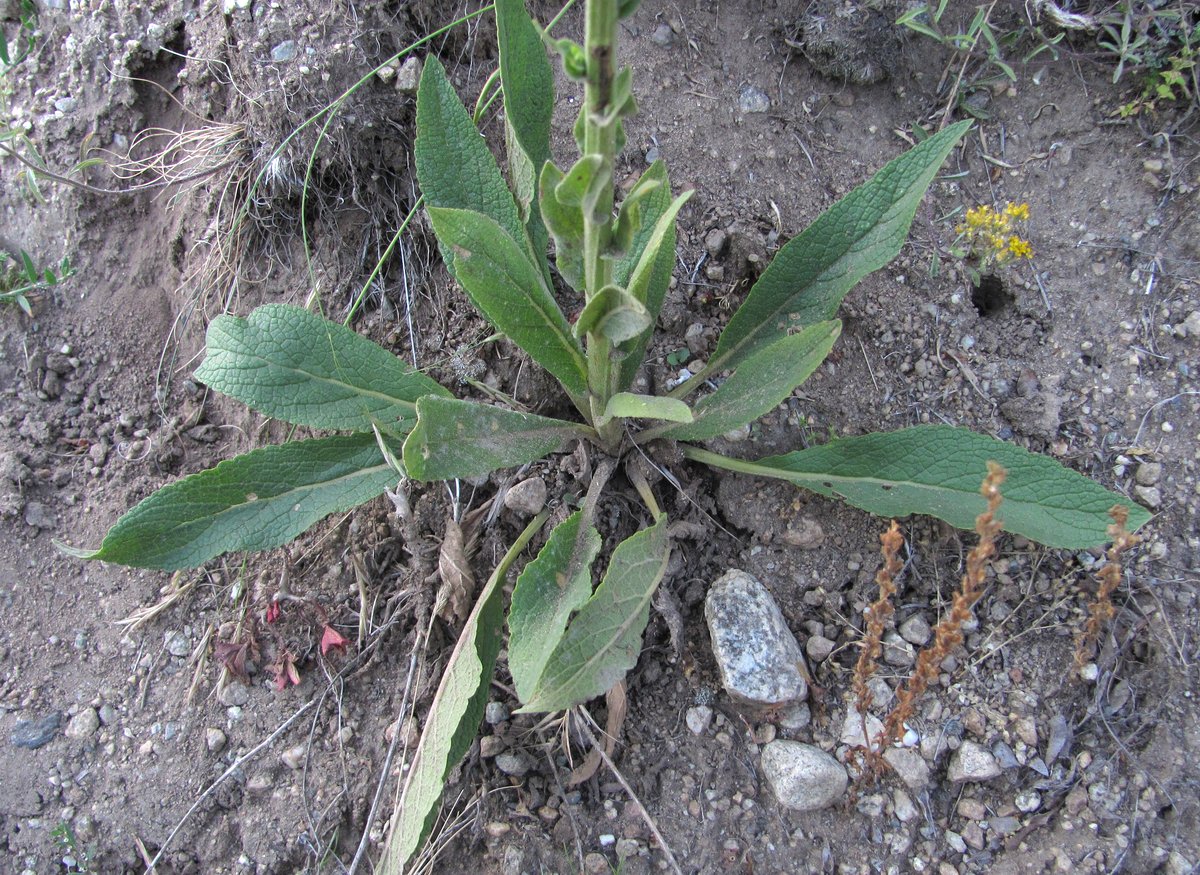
x=947, y=635
x=877, y=617
x=1101, y=610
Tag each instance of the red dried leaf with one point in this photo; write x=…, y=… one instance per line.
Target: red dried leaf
x=331, y=639
x=273, y=611
x=232, y=655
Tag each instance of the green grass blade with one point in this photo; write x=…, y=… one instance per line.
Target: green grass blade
x=604, y=639
x=455, y=168
x=758, y=386
x=456, y=438
x=260, y=500
x=454, y=717
x=936, y=470
x=511, y=292
x=859, y=234
x=549, y=590
x=295, y=366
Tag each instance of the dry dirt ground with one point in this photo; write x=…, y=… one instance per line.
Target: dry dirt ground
x=111, y=736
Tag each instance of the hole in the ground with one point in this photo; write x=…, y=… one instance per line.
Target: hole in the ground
x=990, y=297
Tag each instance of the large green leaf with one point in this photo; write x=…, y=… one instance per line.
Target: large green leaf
x=253, y=502
x=453, y=718
x=651, y=286
x=758, y=386
x=604, y=639
x=528, y=109
x=862, y=232
x=549, y=590
x=614, y=314
x=565, y=222
x=296, y=366
x=455, y=438
x=455, y=168
x=627, y=405
x=511, y=293
x=936, y=470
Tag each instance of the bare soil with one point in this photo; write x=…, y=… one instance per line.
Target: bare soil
x=111, y=736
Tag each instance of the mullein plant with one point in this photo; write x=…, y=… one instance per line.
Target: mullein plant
x=571, y=639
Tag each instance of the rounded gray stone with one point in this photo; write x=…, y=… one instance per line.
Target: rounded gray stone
x=758, y=656
x=84, y=724
x=527, y=497
x=803, y=777
x=972, y=762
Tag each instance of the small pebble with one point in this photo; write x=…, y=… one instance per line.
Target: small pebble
x=751, y=99
x=177, y=644
x=215, y=740
x=234, y=694
x=515, y=764
x=663, y=35
x=526, y=498
x=802, y=776
x=496, y=712
x=294, y=757
x=699, y=719
x=283, y=52
x=972, y=762
x=32, y=734
x=915, y=630
x=1029, y=801
x=84, y=724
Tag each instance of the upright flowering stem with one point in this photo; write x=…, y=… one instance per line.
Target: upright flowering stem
x=600, y=139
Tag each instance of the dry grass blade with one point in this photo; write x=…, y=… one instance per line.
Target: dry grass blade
x=175, y=590
x=618, y=708
x=948, y=636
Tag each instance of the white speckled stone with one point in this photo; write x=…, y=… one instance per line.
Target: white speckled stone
x=759, y=658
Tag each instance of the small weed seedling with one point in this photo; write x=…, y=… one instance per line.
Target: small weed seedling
x=571, y=640
x=20, y=280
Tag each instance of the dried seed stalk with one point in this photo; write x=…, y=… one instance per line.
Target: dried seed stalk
x=877, y=617
x=947, y=635
x=1101, y=610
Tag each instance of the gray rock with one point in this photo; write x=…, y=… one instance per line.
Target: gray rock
x=66, y=104
x=972, y=762
x=897, y=651
x=818, y=648
x=757, y=654
x=915, y=630
x=852, y=729
x=910, y=767
x=1148, y=473
x=796, y=717
x=108, y=715
x=177, y=644
x=803, y=777
x=903, y=806
x=490, y=745
x=84, y=724
x=515, y=764
x=751, y=99
x=1149, y=496
x=805, y=533
x=234, y=695
x=284, y=52
x=1028, y=801
x=215, y=740
x=294, y=757
x=32, y=734
x=526, y=498
x=409, y=76
x=495, y=712
x=663, y=35
x=39, y=515
x=698, y=719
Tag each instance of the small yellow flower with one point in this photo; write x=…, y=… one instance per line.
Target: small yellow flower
x=990, y=234
x=1020, y=212
x=1019, y=248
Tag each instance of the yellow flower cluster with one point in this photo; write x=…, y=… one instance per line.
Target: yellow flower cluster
x=990, y=233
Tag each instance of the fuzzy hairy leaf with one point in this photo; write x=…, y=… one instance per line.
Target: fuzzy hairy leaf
x=528, y=82
x=511, y=292
x=549, y=590
x=252, y=502
x=565, y=222
x=614, y=314
x=455, y=438
x=652, y=286
x=295, y=366
x=862, y=232
x=455, y=168
x=603, y=640
x=936, y=470
x=758, y=386
x=454, y=716
x=627, y=405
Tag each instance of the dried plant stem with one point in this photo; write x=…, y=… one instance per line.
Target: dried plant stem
x=1101, y=610
x=948, y=636
x=877, y=616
